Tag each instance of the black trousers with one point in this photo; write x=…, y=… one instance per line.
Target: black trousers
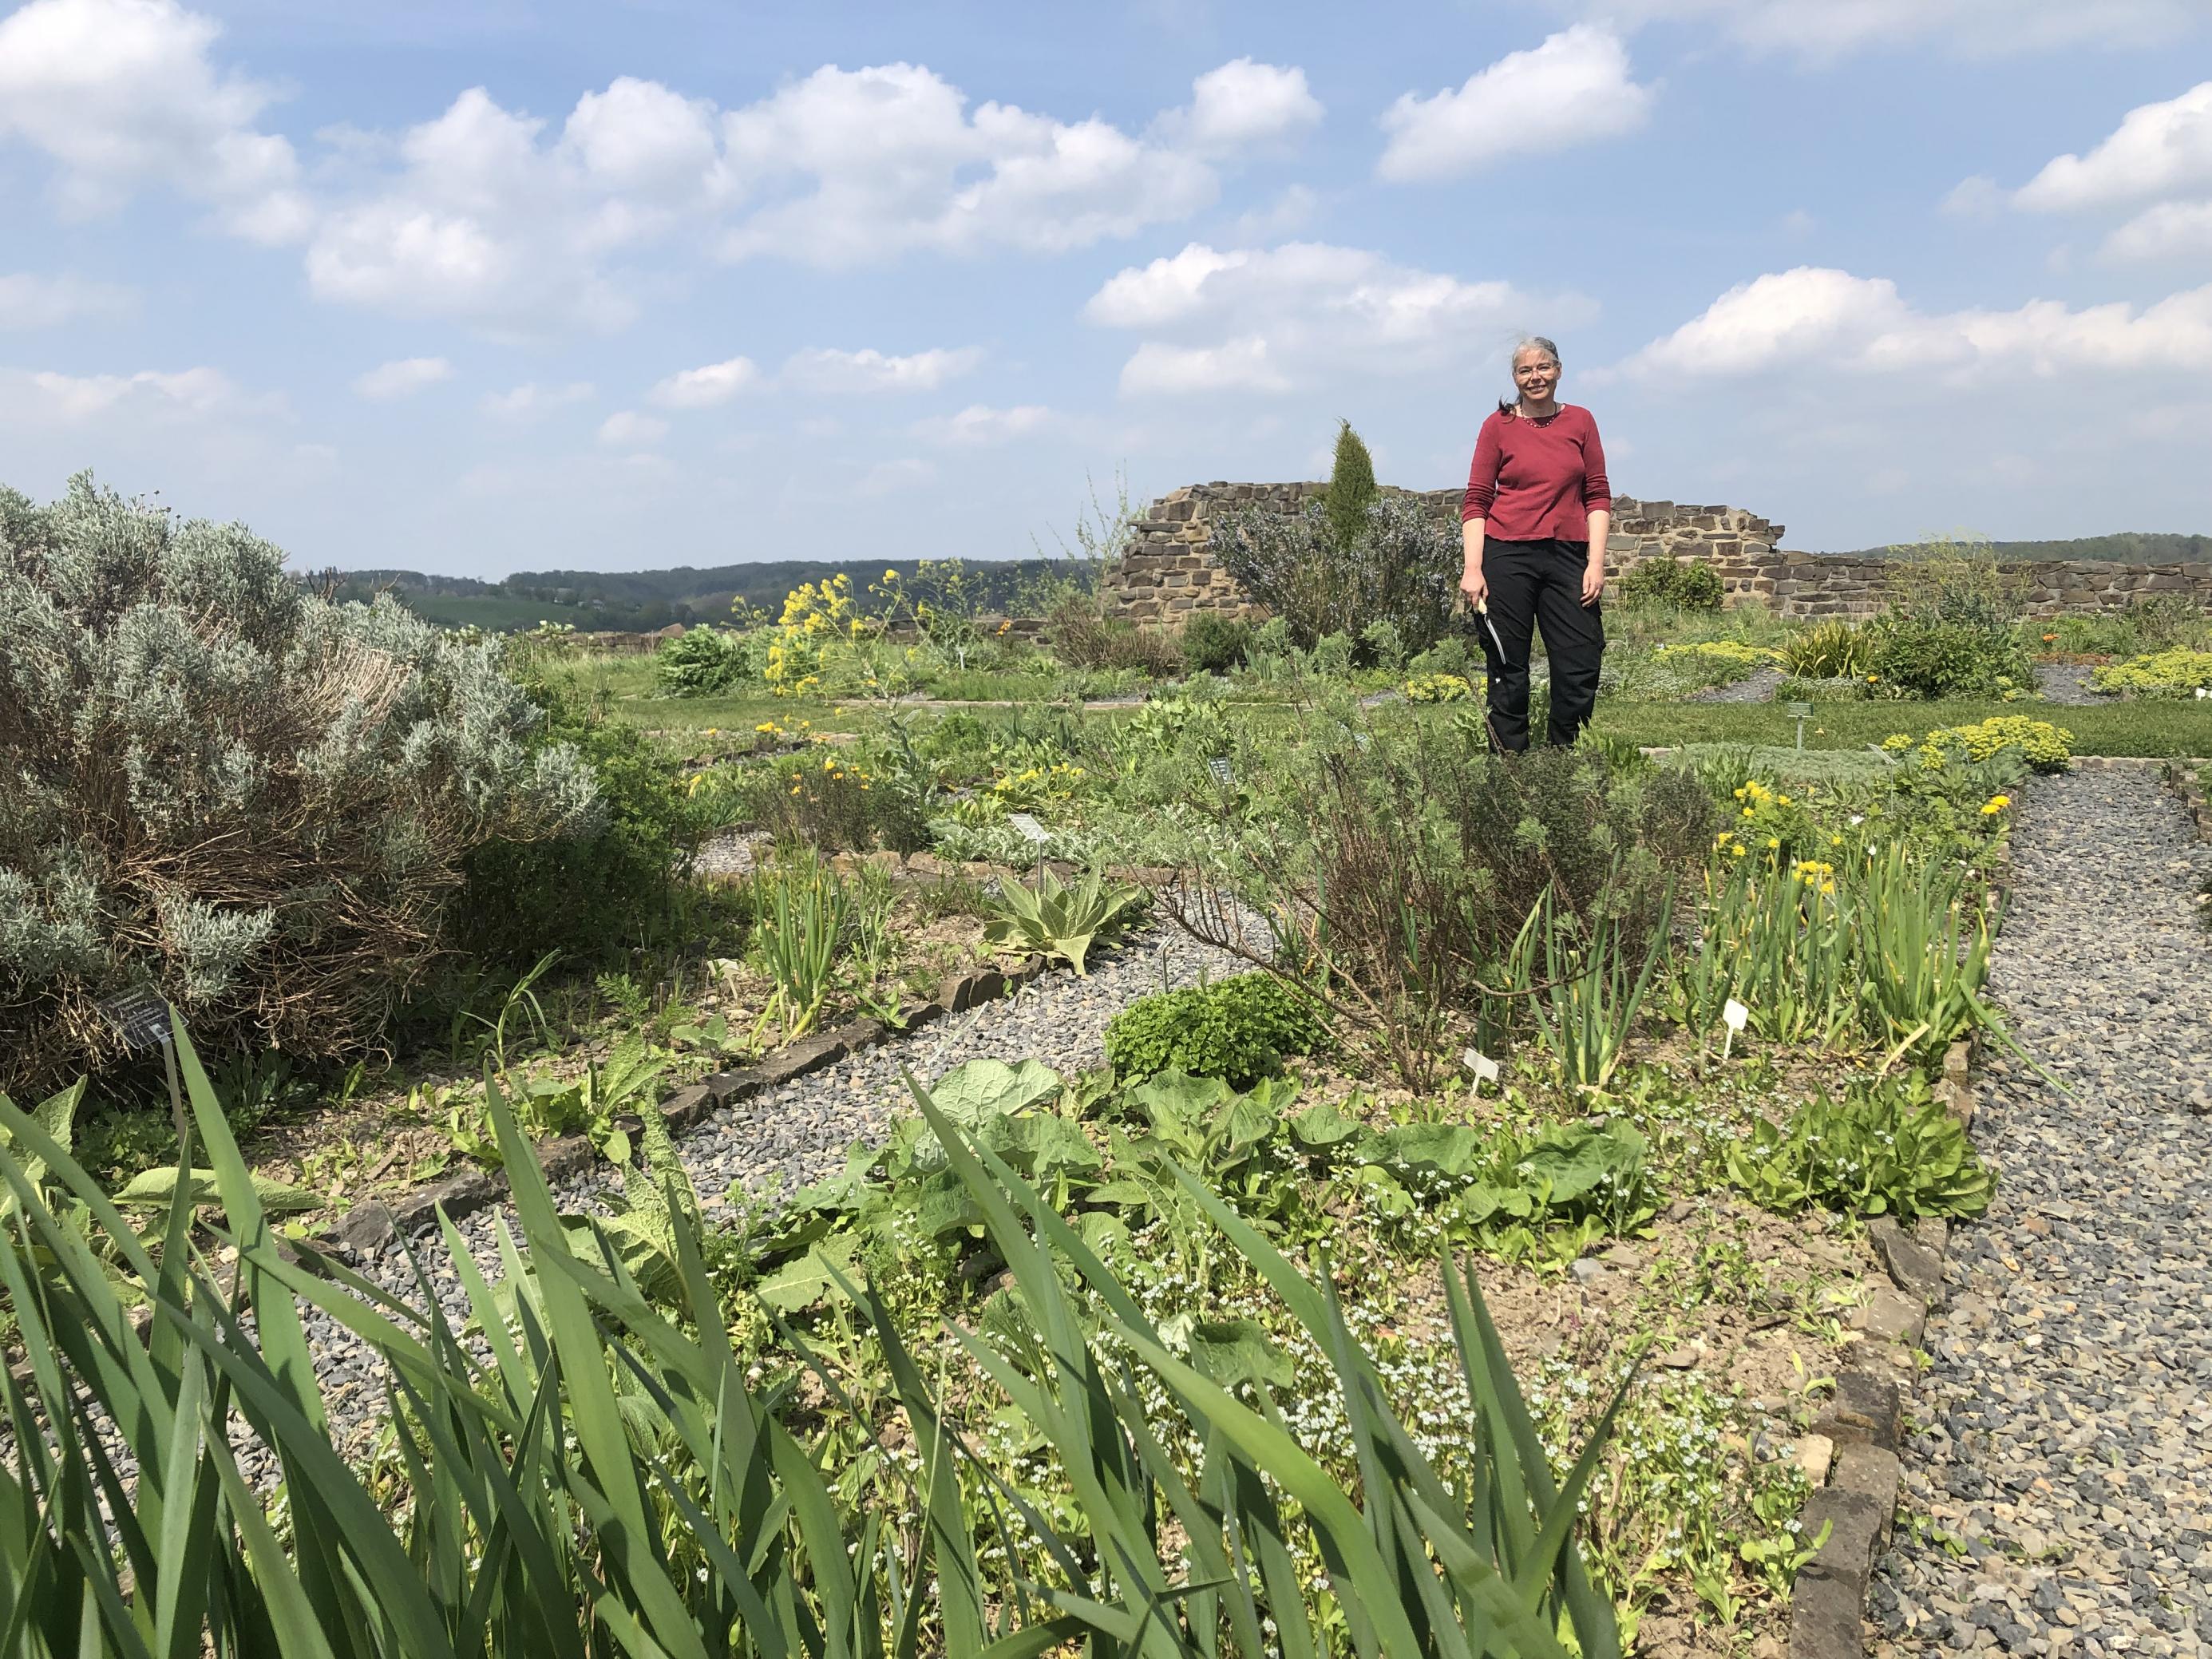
x=1540, y=585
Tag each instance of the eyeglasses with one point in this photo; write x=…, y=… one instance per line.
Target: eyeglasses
x=1535, y=368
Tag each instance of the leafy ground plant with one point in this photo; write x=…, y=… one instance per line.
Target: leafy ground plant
x=572, y=1493
x=1057, y=920
x=1239, y=1029
x=1884, y=1148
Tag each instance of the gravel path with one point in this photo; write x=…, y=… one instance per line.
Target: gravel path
x=1758, y=686
x=2067, y=683
x=2062, y=1470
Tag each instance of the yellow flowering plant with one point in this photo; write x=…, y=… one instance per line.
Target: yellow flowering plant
x=2043, y=746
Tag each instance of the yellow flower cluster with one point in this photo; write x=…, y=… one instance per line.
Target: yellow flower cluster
x=1438, y=688
x=820, y=619
x=1995, y=805
x=2045, y=747
x=1816, y=874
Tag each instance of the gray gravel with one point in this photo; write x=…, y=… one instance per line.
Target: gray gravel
x=1758, y=686
x=2067, y=683
x=2061, y=1472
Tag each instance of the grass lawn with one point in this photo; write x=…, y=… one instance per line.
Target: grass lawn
x=2146, y=727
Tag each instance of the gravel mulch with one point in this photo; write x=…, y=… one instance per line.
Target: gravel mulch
x=2067, y=683
x=2058, y=1487
x=1758, y=686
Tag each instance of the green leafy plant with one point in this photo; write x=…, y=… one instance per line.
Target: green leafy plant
x=1056, y=919
x=1239, y=1029
x=1351, y=490
x=1595, y=989
x=1398, y=565
x=703, y=660
x=1215, y=644
x=1831, y=650
x=1681, y=584
x=1885, y=1148
x=801, y=912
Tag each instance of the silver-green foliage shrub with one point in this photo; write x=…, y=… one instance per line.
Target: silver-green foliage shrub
x=214, y=782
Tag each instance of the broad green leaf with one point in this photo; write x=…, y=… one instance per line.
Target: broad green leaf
x=981, y=1089
x=153, y=1188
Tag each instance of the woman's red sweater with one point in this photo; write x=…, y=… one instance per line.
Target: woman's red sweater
x=1532, y=480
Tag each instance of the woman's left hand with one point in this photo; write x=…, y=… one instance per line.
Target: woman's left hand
x=1592, y=581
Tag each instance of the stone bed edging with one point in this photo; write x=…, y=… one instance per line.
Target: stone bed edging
x=370, y=1225
x=1863, y=1425
x=2181, y=777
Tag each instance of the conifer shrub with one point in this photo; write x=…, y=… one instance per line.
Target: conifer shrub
x=218, y=785
x=1351, y=488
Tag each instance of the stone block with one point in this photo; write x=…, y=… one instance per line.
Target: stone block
x=1912, y=1266
x=1891, y=1316
x=461, y=1196
x=366, y=1228
x=1867, y=1411
x=566, y=1158
x=686, y=1106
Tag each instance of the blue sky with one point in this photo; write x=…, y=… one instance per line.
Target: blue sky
x=476, y=289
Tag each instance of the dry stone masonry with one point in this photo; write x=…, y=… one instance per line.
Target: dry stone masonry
x=1169, y=571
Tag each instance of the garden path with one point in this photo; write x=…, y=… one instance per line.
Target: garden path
x=2059, y=1496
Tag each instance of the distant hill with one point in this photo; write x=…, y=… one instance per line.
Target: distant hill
x=2128, y=547
x=640, y=600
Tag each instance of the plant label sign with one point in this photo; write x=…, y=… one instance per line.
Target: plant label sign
x=1735, y=1014
x=1031, y=828
x=1224, y=774
x=1484, y=1067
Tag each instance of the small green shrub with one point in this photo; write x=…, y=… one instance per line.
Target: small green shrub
x=592, y=895
x=1919, y=657
x=1680, y=584
x=701, y=660
x=1713, y=662
x=1080, y=637
x=1884, y=1149
x=828, y=799
x=2178, y=672
x=1215, y=644
x=1239, y=1029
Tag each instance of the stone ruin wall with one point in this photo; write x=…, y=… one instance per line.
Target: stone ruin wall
x=1169, y=571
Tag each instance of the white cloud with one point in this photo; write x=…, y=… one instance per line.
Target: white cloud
x=529, y=400
x=890, y=478
x=2158, y=150
x=402, y=377
x=627, y=430
x=122, y=95
x=74, y=400
x=1824, y=319
x=1574, y=88
x=2172, y=230
x=28, y=300
x=1242, y=105
x=825, y=371
x=855, y=166
x=704, y=387
x=1290, y=212
x=1825, y=29
x=1269, y=319
x=981, y=426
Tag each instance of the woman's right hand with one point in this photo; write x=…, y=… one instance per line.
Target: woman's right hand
x=1472, y=584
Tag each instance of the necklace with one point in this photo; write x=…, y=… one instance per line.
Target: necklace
x=1519, y=414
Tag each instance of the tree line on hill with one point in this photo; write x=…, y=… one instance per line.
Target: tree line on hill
x=638, y=601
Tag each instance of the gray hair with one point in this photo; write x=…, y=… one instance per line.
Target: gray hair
x=1527, y=343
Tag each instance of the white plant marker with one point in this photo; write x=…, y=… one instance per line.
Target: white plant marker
x=1735, y=1016
x=1030, y=828
x=1224, y=774
x=1484, y=1067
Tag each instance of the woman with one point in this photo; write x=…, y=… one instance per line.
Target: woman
x=1535, y=523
